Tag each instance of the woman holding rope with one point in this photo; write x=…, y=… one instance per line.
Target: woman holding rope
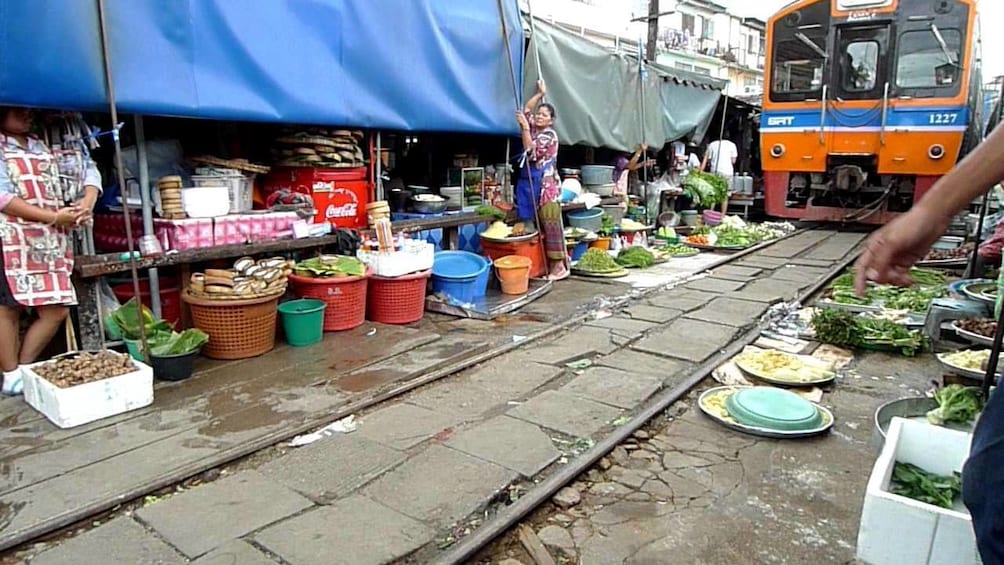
x=538, y=188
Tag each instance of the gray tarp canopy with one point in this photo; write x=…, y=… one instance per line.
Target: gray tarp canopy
x=597, y=94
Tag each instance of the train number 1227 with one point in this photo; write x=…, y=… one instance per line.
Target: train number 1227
x=943, y=119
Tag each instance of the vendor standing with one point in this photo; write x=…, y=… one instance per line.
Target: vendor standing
x=36, y=249
x=538, y=188
x=625, y=167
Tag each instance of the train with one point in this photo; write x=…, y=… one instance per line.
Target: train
x=866, y=104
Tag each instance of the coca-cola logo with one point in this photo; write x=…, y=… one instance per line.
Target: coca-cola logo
x=344, y=204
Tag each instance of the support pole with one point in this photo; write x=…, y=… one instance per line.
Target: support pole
x=119, y=169
x=379, y=167
x=146, y=201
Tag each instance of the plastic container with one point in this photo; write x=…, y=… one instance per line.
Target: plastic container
x=170, y=297
x=689, y=218
x=345, y=298
x=514, y=274
x=208, y=201
x=591, y=220
x=82, y=404
x=597, y=174
x=601, y=243
x=602, y=190
x=238, y=329
x=532, y=248
x=616, y=213
x=577, y=250
x=397, y=300
x=712, y=218
x=460, y=275
x=240, y=186
x=135, y=349
x=303, y=321
x=454, y=196
x=174, y=367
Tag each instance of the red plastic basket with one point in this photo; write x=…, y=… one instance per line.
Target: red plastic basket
x=345, y=297
x=397, y=300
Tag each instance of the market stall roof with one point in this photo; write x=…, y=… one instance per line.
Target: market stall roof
x=414, y=65
x=598, y=93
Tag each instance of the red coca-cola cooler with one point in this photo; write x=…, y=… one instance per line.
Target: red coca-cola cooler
x=340, y=195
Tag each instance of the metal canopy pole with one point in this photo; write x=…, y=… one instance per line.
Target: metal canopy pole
x=379, y=167
x=146, y=201
x=130, y=242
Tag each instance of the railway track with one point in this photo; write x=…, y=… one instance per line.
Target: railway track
x=793, y=267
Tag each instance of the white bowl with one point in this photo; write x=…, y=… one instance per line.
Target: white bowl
x=206, y=201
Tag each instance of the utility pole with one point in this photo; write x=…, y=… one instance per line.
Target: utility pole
x=653, y=31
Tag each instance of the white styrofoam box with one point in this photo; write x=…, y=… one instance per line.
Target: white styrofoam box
x=81, y=404
x=895, y=529
x=415, y=256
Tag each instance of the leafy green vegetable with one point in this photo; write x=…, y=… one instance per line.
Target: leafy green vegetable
x=929, y=285
x=636, y=257
x=127, y=317
x=840, y=327
x=913, y=482
x=486, y=210
x=174, y=343
x=956, y=403
x=336, y=266
x=705, y=189
x=606, y=225
x=598, y=261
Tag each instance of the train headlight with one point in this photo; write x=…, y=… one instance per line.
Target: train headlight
x=936, y=151
x=777, y=150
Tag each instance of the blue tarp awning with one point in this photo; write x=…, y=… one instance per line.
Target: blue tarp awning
x=427, y=65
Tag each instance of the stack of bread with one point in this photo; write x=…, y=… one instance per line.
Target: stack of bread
x=316, y=147
x=247, y=279
x=170, y=198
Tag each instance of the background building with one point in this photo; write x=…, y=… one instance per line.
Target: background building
x=699, y=36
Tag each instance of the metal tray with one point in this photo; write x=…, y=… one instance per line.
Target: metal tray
x=973, y=337
x=963, y=372
x=780, y=382
x=912, y=408
x=762, y=432
x=974, y=291
x=944, y=264
x=517, y=239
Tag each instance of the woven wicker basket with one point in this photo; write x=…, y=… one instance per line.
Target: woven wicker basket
x=238, y=329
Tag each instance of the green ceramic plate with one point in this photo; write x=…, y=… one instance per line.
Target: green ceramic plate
x=773, y=409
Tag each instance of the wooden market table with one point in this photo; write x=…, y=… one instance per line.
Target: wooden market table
x=90, y=268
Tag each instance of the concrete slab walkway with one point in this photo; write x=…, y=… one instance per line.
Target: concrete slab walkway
x=420, y=472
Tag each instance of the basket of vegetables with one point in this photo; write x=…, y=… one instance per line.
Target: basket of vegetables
x=338, y=281
x=172, y=354
x=598, y=263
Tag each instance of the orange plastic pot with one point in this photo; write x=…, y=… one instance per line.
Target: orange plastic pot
x=601, y=243
x=514, y=273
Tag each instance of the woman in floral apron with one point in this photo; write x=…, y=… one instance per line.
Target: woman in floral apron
x=537, y=188
x=36, y=251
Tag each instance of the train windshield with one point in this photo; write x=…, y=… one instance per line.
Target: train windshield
x=798, y=67
x=929, y=58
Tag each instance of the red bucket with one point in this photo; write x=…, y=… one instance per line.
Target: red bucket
x=345, y=297
x=397, y=300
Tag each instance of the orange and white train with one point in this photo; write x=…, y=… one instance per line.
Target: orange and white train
x=867, y=103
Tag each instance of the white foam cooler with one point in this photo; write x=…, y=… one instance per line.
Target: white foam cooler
x=895, y=529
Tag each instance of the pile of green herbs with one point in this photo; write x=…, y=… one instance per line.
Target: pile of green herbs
x=705, y=190
x=487, y=210
x=847, y=329
x=928, y=286
x=636, y=257
x=597, y=261
x=913, y=482
x=161, y=338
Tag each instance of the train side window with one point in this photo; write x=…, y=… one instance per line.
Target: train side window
x=860, y=66
x=798, y=69
x=924, y=62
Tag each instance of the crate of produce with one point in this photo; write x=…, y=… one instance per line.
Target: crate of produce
x=79, y=388
x=896, y=529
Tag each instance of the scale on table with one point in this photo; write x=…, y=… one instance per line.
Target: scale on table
x=943, y=311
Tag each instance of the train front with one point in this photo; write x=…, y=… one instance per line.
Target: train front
x=868, y=102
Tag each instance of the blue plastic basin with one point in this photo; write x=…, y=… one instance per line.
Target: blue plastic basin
x=460, y=275
x=591, y=220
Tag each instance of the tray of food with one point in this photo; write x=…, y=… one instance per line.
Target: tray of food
x=785, y=369
x=979, y=331
x=715, y=403
x=970, y=363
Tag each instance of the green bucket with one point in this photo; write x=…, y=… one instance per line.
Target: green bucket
x=135, y=349
x=303, y=321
